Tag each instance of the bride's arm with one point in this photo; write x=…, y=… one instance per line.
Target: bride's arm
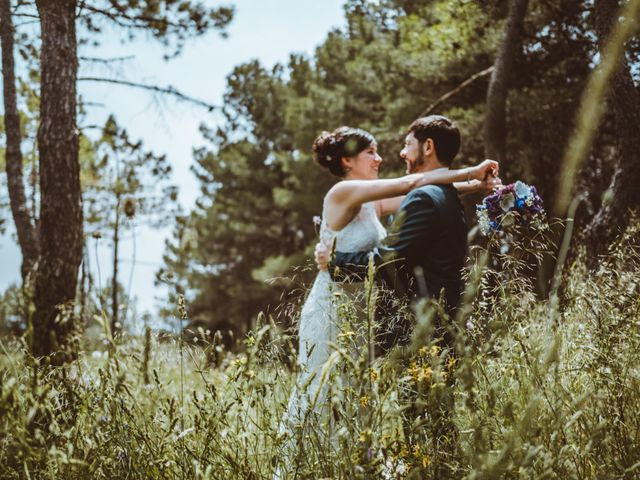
x=353, y=193
x=485, y=186
x=386, y=206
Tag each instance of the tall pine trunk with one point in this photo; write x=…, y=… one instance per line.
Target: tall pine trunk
x=25, y=227
x=495, y=124
x=61, y=237
x=624, y=102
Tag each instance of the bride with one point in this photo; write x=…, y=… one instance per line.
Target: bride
x=351, y=218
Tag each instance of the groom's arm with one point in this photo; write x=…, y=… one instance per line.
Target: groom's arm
x=418, y=211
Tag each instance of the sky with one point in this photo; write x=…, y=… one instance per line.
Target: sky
x=267, y=30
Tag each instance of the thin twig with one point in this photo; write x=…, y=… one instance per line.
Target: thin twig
x=456, y=90
x=154, y=88
x=107, y=60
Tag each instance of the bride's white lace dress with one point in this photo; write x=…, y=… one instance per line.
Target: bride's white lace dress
x=318, y=327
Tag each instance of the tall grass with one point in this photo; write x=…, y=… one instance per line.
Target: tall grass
x=519, y=396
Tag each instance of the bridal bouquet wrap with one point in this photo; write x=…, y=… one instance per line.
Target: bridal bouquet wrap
x=511, y=205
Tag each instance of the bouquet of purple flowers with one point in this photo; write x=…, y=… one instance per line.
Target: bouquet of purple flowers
x=513, y=204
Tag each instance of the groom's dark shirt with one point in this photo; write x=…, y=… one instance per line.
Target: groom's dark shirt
x=425, y=256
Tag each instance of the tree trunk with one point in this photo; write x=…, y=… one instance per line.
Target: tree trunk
x=495, y=123
x=624, y=102
x=61, y=237
x=25, y=228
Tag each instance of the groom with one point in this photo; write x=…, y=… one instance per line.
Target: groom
x=425, y=257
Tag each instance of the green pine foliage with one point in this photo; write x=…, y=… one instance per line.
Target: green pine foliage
x=260, y=187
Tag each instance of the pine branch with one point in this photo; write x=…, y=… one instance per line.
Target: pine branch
x=153, y=88
x=137, y=21
x=456, y=90
x=107, y=60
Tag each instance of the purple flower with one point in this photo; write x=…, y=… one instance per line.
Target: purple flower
x=317, y=220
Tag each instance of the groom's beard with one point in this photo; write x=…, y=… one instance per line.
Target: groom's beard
x=419, y=161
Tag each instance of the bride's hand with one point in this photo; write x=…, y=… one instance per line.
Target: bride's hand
x=322, y=255
x=484, y=169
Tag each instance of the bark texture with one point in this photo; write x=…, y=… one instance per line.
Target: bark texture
x=624, y=102
x=495, y=124
x=61, y=237
x=25, y=225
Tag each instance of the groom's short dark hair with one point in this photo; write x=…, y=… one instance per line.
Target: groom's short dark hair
x=443, y=132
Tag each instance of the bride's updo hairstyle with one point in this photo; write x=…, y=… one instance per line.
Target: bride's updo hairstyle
x=329, y=148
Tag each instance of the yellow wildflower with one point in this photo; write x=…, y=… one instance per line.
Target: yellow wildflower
x=451, y=362
x=404, y=452
x=238, y=362
x=365, y=435
x=364, y=401
x=413, y=370
x=424, y=375
x=416, y=451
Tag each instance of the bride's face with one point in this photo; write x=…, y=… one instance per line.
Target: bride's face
x=364, y=166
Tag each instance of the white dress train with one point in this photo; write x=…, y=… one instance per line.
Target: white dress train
x=318, y=327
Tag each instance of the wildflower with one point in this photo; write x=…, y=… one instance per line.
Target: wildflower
x=413, y=370
x=451, y=363
x=425, y=374
x=365, y=435
x=373, y=374
x=435, y=351
x=416, y=451
x=419, y=373
x=364, y=401
x=317, y=220
x=404, y=452
x=238, y=362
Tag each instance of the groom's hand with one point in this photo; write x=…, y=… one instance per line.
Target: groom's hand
x=322, y=255
x=490, y=184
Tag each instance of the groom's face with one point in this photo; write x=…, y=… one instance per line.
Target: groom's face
x=412, y=153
